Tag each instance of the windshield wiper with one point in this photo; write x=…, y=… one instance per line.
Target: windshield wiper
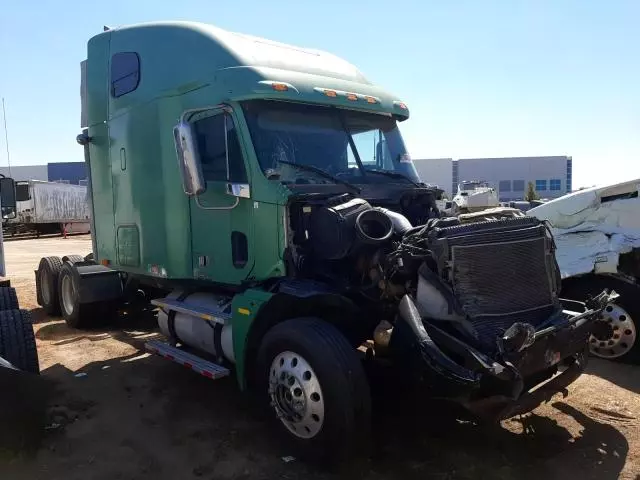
x=319, y=171
x=391, y=174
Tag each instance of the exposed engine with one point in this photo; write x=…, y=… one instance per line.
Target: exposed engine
x=474, y=280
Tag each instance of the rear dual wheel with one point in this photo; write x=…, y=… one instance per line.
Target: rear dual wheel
x=47, y=284
x=315, y=390
x=76, y=314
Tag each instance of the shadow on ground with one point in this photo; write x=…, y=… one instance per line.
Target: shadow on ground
x=143, y=417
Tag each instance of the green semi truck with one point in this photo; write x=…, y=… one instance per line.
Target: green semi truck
x=261, y=196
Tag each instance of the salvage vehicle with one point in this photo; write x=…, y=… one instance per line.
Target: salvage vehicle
x=597, y=234
x=262, y=197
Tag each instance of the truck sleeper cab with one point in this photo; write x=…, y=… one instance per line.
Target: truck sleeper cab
x=261, y=196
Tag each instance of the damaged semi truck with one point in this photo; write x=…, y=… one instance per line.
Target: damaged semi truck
x=261, y=196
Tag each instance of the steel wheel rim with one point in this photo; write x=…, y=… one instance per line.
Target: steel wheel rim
x=45, y=289
x=67, y=292
x=622, y=336
x=296, y=395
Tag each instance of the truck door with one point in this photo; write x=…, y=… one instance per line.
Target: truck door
x=221, y=217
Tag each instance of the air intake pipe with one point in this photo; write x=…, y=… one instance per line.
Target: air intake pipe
x=401, y=224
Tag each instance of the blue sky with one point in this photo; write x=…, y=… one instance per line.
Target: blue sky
x=482, y=78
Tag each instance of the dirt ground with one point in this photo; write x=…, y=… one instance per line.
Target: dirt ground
x=133, y=416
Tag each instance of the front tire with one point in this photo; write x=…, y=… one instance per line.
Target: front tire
x=312, y=382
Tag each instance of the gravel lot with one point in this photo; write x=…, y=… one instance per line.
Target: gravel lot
x=136, y=416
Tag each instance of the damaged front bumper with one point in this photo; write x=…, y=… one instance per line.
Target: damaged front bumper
x=529, y=368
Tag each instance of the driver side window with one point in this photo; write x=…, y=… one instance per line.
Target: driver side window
x=217, y=138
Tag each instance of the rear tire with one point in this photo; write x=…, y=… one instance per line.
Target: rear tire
x=73, y=258
x=8, y=299
x=617, y=335
x=77, y=315
x=47, y=284
x=17, y=341
x=313, y=385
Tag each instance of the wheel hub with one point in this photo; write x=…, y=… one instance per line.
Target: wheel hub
x=67, y=292
x=296, y=395
x=614, y=334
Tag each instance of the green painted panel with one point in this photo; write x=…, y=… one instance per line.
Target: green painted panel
x=245, y=308
x=102, y=192
x=135, y=174
x=128, y=245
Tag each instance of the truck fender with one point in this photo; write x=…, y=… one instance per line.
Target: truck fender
x=268, y=309
x=97, y=283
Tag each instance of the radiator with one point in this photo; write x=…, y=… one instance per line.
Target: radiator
x=501, y=272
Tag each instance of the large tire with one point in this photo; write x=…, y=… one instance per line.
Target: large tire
x=8, y=298
x=313, y=384
x=76, y=314
x=617, y=335
x=17, y=342
x=73, y=258
x=47, y=284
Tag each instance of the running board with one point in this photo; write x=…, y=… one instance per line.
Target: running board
x=203, y=367
x=215, y=316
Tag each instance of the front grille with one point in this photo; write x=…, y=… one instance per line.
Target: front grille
x=501, y=272
x=502, y=278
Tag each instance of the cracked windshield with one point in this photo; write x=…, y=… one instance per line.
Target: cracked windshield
x=305, y=144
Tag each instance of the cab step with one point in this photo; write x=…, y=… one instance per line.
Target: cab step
x=203, y=367
x=201, y=311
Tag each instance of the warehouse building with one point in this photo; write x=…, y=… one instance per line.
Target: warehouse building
x=550, y=175
x=436, y=171
x=63, y=172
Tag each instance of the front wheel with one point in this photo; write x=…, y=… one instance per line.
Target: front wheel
x=315, y=388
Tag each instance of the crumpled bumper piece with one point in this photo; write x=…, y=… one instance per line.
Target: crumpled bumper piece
x=512, y=381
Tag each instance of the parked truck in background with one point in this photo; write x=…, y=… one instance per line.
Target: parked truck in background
x=597, y=233
x=49, y=207
x=261, y=196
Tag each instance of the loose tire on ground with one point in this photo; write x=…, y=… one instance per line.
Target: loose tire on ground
x=47, y=284
x=620, y=323
x=307, y=371
x=17, y=341
x=8, y=298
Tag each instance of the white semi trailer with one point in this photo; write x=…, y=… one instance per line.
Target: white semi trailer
x=49, y=207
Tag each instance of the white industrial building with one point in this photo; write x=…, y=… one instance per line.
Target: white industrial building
x=436, y=171
x=551, y=175
x=26, y=172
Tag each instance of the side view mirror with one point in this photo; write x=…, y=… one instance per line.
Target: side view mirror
x=187, y=152
x=8, y=197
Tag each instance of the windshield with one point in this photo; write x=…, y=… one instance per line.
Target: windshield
x=350, y=146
